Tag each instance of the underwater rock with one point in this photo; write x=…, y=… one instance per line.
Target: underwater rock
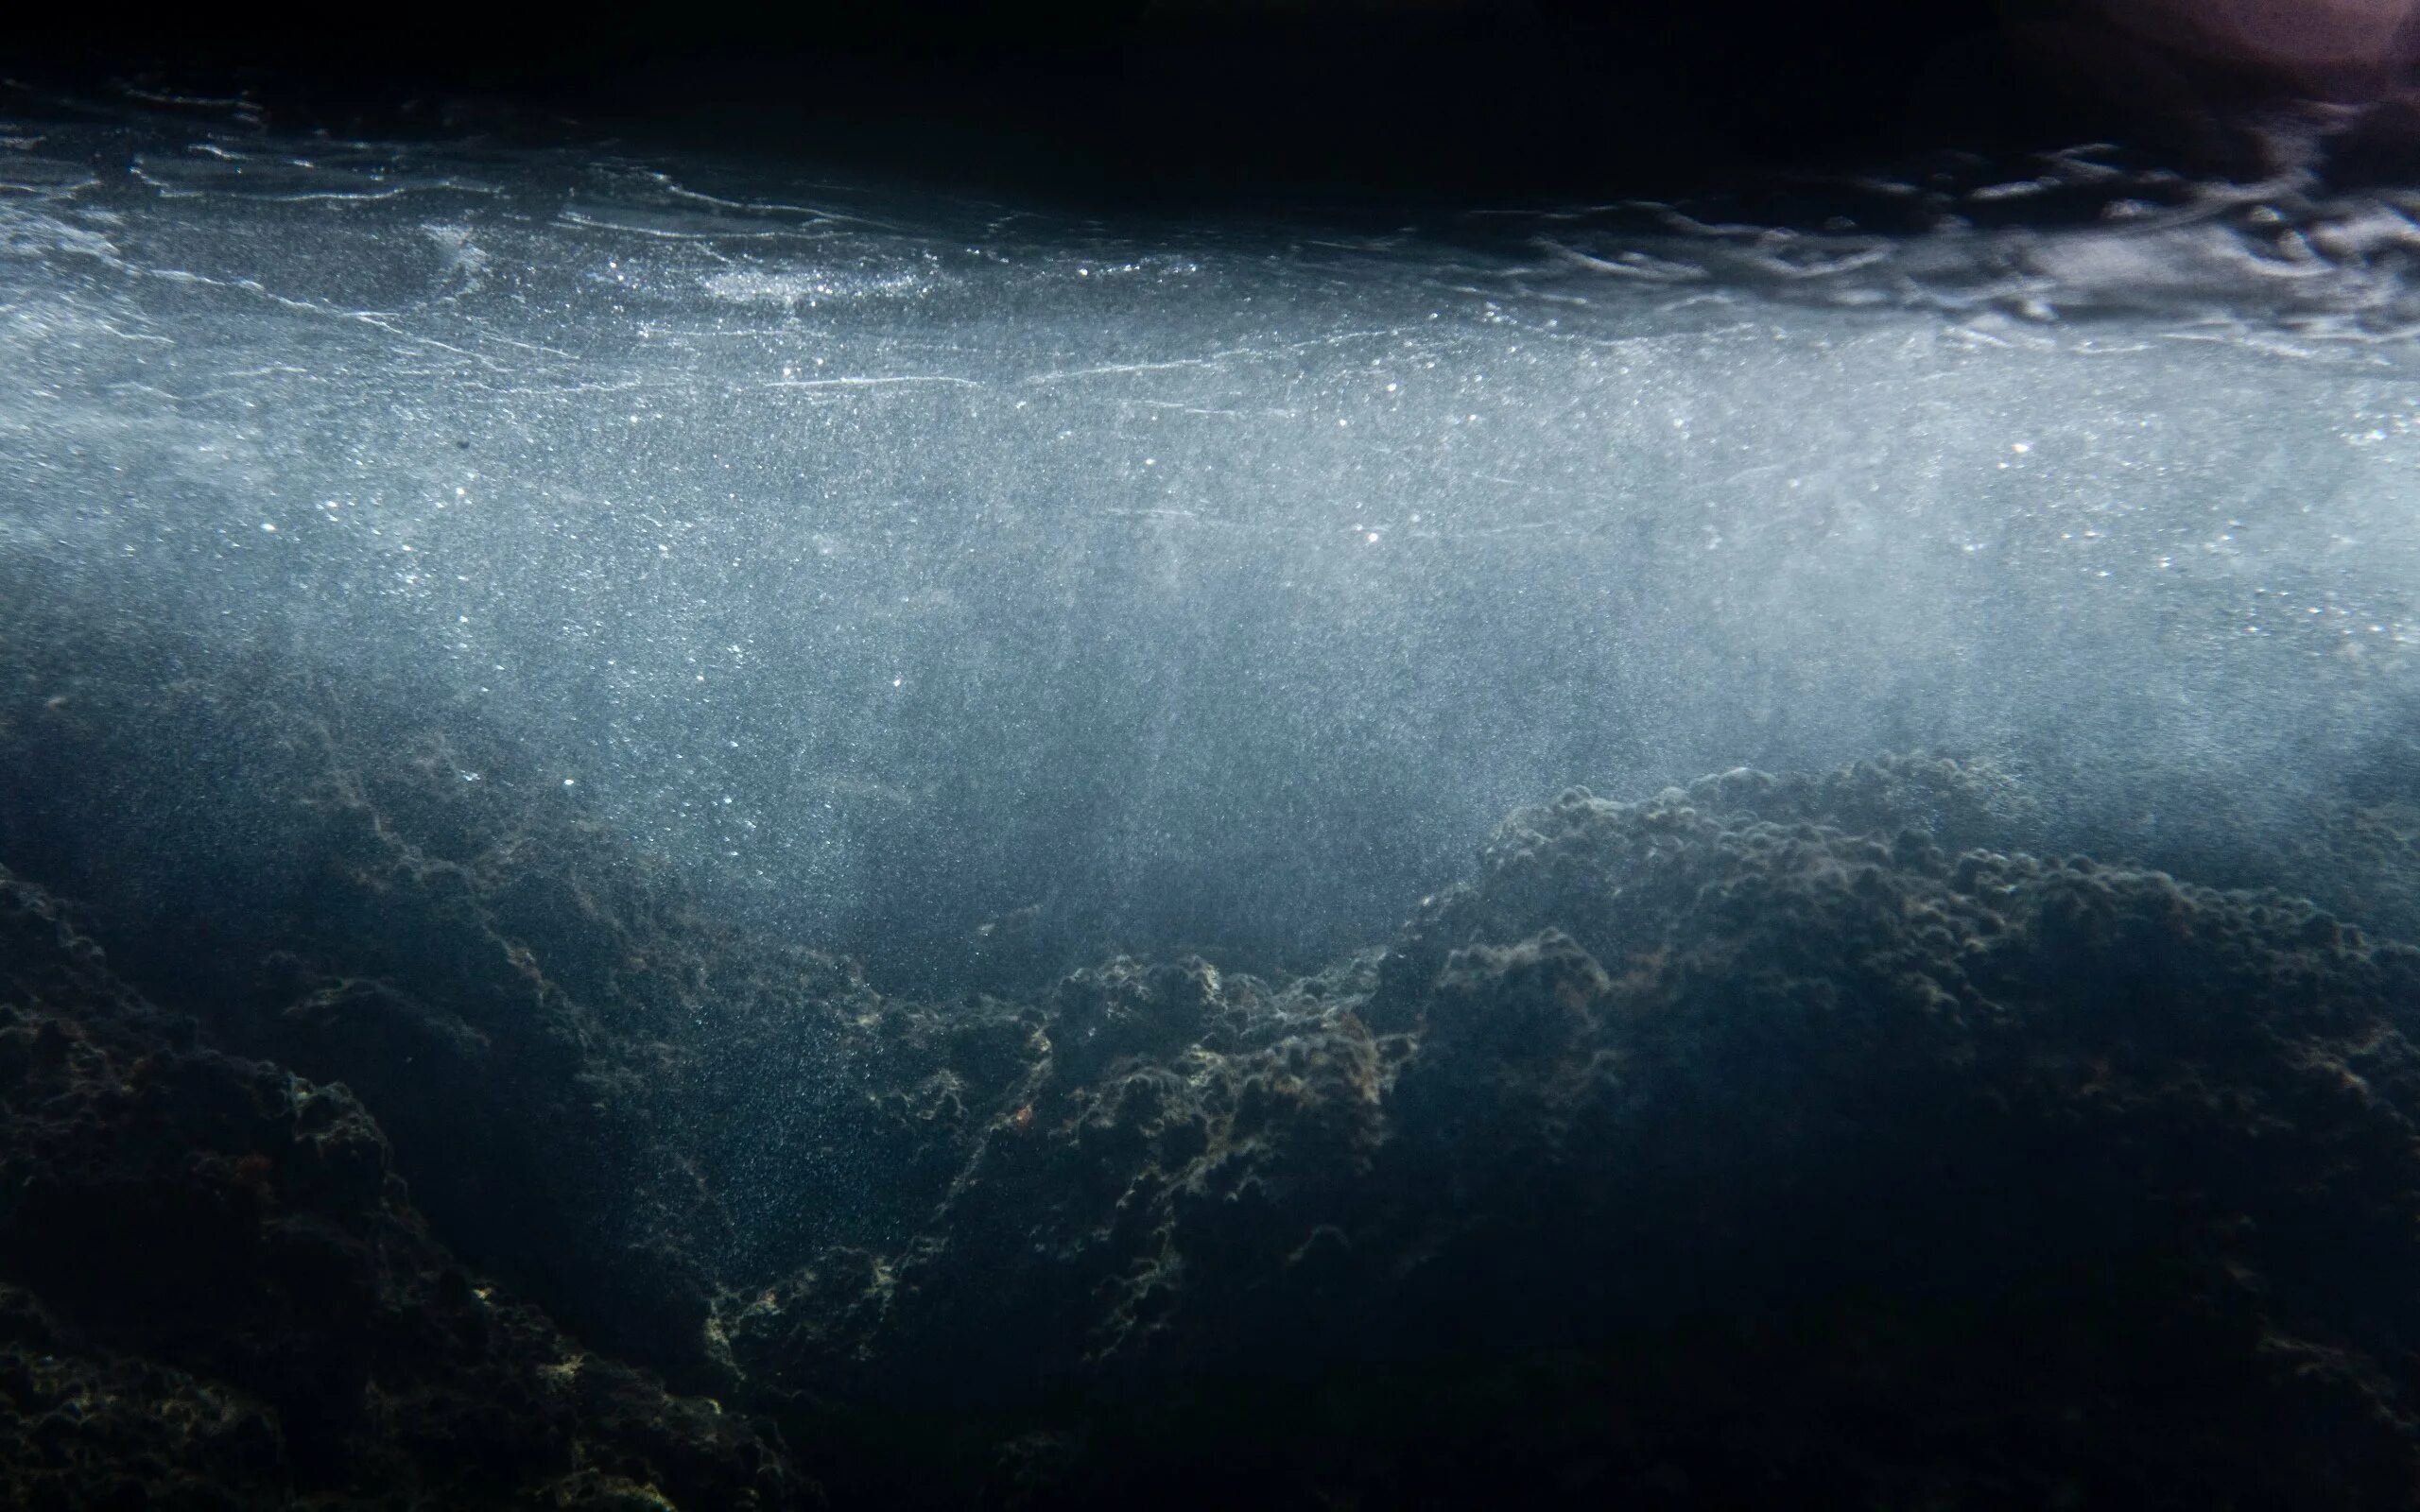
x=1704, y=1160
x=2353, y=846
x=397, y=901
x=1811, y=1138
x=215, y=1292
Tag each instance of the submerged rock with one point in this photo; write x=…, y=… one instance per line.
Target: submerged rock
x=215, y=1292
x=1811, y=1140
x=1684, y=1158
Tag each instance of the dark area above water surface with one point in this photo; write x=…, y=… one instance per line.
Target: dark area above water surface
x=1211, y=102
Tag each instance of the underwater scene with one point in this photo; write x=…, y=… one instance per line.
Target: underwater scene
x=682, y=834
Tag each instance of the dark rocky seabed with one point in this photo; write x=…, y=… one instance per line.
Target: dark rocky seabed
x=377, y=1139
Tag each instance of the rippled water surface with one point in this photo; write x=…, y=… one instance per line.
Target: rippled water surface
x=876, y=556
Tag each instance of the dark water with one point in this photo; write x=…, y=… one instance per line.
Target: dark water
x=648, y=673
